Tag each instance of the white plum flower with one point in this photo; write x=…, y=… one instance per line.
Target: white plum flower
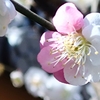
x=35, y=80
x=7, y=14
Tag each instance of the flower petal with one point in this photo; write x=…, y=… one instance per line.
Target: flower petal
x=95, y=74
x=4, y=20
x=11, y=9
x=3, y=8
x=6, y=15
x=59, y=75
x=47, y=35
x=90, y=32
x=95, y=58
x=68, y=19
x=46, y=59
x=92, y=71
x=92, y=18
x=70, y=73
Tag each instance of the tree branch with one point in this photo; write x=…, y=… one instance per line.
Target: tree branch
x=33, y=16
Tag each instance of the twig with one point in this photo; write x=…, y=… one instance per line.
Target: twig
x=33, y=16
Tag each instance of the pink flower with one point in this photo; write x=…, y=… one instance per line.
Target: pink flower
x=72, y=52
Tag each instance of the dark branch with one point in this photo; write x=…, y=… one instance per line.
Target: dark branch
x=33, y=16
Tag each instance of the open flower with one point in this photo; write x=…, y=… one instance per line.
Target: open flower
x=72, y=53
x=7, y=14
x=35, y=81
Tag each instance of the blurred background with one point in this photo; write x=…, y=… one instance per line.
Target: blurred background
x=21, y=76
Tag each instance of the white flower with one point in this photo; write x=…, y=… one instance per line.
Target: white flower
x=63, y=91
x=7, y=14
x=35, y=80
x=17, y=78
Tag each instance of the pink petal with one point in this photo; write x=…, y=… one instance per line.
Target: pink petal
x=47, y=35
x=45, y=58
x=68, y=19
x=59, y=75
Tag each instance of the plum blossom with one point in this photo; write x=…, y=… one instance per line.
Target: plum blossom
x=7, y=14
x=72, y=53
x=16, y=77
x=35, y=81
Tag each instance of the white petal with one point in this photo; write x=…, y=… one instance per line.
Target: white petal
x=11, y=9
x=3, y=7
x=90, y=32
x=35, y=81
x=93, y=72
x=4, y=20
x=95, y=58
x=70, y=73
x=92, y=18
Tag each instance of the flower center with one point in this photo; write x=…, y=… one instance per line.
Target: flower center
x=72, y=47
x=77, y=48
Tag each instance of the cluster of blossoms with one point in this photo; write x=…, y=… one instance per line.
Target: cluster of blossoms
x=72, y=53
x=39, y=84
x=7, y=14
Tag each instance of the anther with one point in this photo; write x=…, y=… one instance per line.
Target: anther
x=83, y=77
x=4, y=27
x=47, y=40
x=64, y=64
x=49, y=63
x=50, y=51
x=72, y=66
x=75, y=76
x=96, y=52
x=53, y=66
x=88, y=54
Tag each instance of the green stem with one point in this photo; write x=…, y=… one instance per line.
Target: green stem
x=33, y=16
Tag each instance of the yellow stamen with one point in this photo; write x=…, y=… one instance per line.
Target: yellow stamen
x=72, y=47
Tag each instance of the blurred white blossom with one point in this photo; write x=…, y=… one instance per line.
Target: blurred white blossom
x=35, y=80
x=7, y=14
x=39, y=84
x=17, y=78
x=83, y=5
x=56, y=90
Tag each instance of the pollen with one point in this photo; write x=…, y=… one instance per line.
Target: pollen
x=96, y=52
x=4, y=27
